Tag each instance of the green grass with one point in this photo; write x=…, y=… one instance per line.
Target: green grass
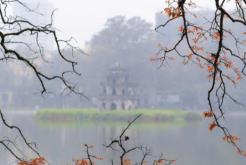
x=72, y=117
x=94, y=113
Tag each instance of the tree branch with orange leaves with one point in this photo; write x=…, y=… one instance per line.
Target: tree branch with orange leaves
x=225, y=62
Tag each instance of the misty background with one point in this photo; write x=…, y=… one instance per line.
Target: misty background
x=129, y=41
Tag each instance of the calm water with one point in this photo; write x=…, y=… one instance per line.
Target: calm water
x=189, y=144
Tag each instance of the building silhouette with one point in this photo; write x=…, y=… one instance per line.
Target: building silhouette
x=117, y=91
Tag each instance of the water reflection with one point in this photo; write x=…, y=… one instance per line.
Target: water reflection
x=190, y=144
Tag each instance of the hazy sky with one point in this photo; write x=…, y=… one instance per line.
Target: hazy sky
x=83, y=18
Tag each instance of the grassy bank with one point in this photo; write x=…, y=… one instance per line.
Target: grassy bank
x=166, y=115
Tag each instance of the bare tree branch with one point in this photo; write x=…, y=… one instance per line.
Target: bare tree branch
x=219, y=63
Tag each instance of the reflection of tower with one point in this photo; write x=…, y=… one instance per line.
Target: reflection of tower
x=117, y=91
x=41, y=16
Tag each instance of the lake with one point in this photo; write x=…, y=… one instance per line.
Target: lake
x=187, y=143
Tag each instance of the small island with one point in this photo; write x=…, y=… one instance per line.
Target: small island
x=118, y=101
x=150, y=115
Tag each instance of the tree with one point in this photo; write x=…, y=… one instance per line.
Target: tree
x=218, y=60
x=122, y=39
x=215, y=43
x=127, y=41
x=22, y=43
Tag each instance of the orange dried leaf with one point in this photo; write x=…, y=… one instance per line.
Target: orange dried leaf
x=216, y=35
x=208, y=114
x=189, y=56
x=210, y=68
x=231, y=138
x=212, y=126
x=81, y=162
x=160, y=161
x=172, y=12
x=127, y=162
x=36, y=161
x=180, y=28
x=238, y=78
x=168, y=11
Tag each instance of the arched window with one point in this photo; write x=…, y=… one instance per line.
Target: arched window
x=123, y=106
x=113, y=106
x=114, y=91
x=103, y=106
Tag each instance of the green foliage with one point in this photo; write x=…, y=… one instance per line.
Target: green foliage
x=117, y=115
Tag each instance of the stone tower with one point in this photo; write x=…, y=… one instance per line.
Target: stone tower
x=117, y=91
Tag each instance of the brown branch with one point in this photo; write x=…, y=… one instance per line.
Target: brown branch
x=213, y=30
x=13, y=127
